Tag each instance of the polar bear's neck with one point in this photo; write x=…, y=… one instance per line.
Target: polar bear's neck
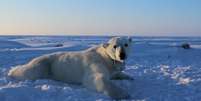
x=111, y=64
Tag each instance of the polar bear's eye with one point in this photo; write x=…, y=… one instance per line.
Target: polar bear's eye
x=115, y=46
x=126, y=45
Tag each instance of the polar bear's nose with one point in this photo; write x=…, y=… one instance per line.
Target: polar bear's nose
x=122, y=54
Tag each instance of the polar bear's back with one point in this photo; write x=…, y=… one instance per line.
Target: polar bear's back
x=70, y=67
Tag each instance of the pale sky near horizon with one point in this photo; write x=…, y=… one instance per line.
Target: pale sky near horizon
x=114, y=17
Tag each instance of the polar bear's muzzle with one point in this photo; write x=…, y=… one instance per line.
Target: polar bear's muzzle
x=122, y=54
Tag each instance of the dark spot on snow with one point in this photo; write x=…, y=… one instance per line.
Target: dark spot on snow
x=185, y=46
x=58, y=45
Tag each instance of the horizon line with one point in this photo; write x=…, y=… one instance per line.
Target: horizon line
x=103, y=34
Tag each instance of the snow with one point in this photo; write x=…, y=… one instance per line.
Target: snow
x=162, y=71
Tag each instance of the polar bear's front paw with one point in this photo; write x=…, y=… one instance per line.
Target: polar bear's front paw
x=121, y=76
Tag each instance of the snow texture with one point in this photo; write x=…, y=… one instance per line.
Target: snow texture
x=162, y=70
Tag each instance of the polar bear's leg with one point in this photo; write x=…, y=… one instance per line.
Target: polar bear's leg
x=38, y=68
x=105, y=86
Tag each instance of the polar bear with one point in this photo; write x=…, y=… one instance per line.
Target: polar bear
x=94, y=68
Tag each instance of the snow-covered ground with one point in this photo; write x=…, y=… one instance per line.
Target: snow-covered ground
x=162, y=71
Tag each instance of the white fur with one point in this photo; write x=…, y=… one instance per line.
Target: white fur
x=93, y=67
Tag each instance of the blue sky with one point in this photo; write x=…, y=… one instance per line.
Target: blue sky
x=115, y=17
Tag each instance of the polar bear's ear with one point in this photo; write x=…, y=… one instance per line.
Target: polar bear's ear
x=105, y=45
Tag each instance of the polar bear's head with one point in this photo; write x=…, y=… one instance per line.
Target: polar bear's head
x=118, y=48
